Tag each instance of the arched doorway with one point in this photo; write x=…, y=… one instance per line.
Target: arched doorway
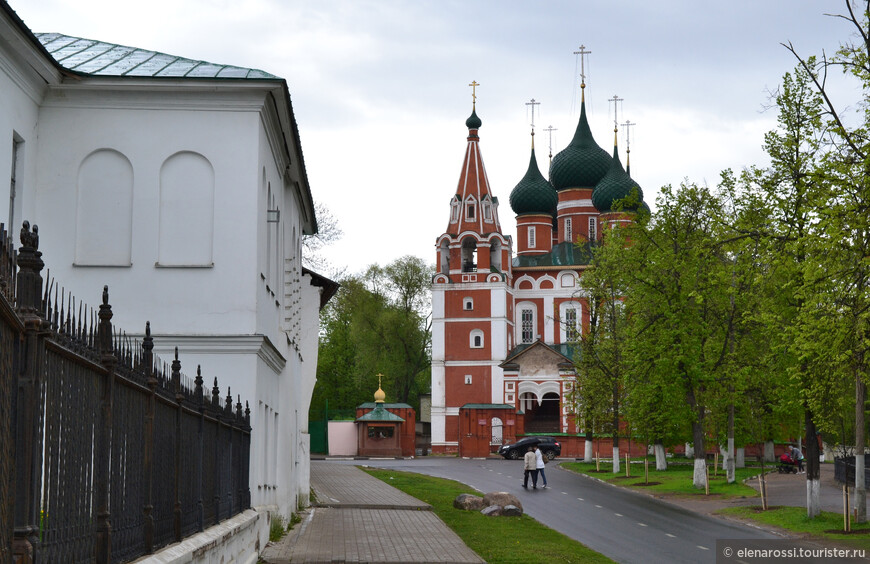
x=541, y=416
x=497, y=425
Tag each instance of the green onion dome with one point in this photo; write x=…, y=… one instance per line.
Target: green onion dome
x=582, y=164
x=473, y=122
x=615, y=185
x=533, y=194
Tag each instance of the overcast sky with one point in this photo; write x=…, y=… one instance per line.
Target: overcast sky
x=380, y=88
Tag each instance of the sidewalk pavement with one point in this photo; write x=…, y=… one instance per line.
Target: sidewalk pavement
x=782, y=489
x=358, y=518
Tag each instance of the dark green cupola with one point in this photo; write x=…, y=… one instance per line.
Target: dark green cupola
x=582, y=164
x=473, y=122
x=533, y=194
x=616, y=185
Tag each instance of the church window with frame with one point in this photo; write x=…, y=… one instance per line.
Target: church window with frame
x=487, y=211
x=569, y=322
x=527, y=326
x=469, y=211
x=532, y=237
x=571, y=333
x=569, y=230
x=454, y=211
x=475, y=339
x=468, y=304
x=593, y=228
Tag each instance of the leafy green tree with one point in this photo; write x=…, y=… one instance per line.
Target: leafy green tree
x=601, y=364
x=378, y=323
x=844, y=221
x=676, y=297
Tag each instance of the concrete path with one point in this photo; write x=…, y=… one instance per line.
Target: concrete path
x=358, y=518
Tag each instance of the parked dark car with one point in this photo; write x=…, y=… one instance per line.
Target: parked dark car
x=548, y=445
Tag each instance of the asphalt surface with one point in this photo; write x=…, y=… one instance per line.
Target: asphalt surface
x=621, y=524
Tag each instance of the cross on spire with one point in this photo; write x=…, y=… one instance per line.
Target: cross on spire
x=616, y=100
x=550, y=129
x=532, y=103
x=474, y=84
x=582, y=52
x=627, y=125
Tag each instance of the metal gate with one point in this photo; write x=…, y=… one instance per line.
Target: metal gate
x=497, y=426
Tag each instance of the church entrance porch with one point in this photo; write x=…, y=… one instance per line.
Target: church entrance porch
x=541, y=416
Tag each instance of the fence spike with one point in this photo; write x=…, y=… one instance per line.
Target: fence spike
x=216, y=395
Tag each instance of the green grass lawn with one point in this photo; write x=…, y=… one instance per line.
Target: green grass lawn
x=495, y=539
x=677, y=479
x=828, y=525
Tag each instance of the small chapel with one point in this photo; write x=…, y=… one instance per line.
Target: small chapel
x=505, y=320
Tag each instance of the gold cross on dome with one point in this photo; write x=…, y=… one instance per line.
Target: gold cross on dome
x=474, y=84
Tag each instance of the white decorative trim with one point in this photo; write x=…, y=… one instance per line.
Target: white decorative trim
x=576, y=204
x=539, y=388
x=164, y=346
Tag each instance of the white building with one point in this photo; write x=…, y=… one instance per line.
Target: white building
x=181, y=185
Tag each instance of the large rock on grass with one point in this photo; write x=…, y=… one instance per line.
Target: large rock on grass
x=492, y=511
x=469, y=502
x=511, y=511
x=502, y=499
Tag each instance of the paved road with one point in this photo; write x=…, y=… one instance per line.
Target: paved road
x=624, y=525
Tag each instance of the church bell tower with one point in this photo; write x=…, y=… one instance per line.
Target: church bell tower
x=472, y=302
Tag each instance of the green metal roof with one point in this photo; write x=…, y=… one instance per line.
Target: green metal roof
x=97, y=58
x=380, y=414
x=563, y=254
x=582, y=164
x=372, y=405
x=565, y=349
x=533, y=194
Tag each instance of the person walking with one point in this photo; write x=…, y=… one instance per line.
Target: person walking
x=540, y=462
x=530, y=468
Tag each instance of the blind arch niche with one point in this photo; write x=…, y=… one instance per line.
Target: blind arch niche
x=186, y=211
x=104, y=210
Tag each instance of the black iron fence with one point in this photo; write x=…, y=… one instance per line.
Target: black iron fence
x=106, y=452
x=844, y=469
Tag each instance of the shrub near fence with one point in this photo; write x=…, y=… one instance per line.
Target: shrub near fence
x=106, y=453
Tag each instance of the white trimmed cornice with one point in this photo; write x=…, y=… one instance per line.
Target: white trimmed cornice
x=585, y=203
x=164, y=346
x=148, y=94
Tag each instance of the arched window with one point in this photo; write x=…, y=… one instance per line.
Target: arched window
x=532, y=241
x=469, y=255
x=569, y=330
x=476, y=339
x=569, y=230
x=495, y=254
x=454, y=211
x=444, y=257
x=593, y=228
x=527, y=327
x=467, y=304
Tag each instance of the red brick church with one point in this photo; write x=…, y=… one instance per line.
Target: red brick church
x=504, y=322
